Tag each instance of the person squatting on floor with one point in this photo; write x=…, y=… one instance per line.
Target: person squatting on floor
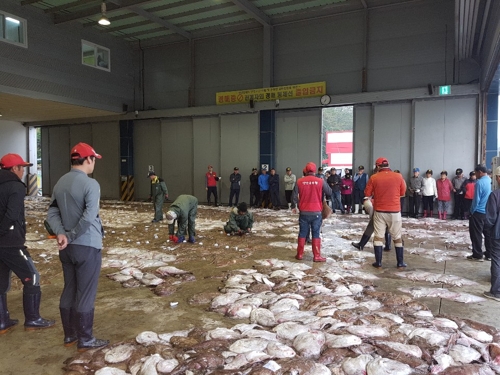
x=308, y=193
x=240, y=220
x=290, y=180
x=386, y=187
x=492, y=224
x=368, y=206
x=73, y=216
x=211, y=184
x=183, y=210
x=14, y=256
x=159, y=193
x=477, y=216
x=235, y=184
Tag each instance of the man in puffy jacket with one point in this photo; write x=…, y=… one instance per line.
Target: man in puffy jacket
x=308, y=193
x=386, y=187
x=183, y=210
x=240, y=220
x=14, y=256
x=274, y=189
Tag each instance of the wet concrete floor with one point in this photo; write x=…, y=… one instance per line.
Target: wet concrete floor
x=122, y=313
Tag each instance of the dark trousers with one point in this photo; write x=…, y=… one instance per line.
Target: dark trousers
x=254, y=196
x=288, y=196
x=402, y=204
x=81, y=267
x=18, y=260
x=358, y=196
x=347, y=200
x=467, y=206
x=495, y=266
x=236, y=194
x=476, y=232
x=458, y=211
x=428, y=203
x=310, y=223
x=264, y=198
x=158, y=204
x=414, y=205
x=275, y=197
x=212, y=190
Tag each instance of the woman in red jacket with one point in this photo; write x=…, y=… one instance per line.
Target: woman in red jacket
x=444, y=189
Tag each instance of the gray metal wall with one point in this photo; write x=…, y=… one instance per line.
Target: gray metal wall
x=298, y=141
x=408, y=46
x=239, y=148
x=435, y=134
x=51, y=68
x=104, y=138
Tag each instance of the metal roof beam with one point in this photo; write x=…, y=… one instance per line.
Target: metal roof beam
x=95, y=10
x=252, y=10
x=28, y=2
x=69, y=6
x=153, y=18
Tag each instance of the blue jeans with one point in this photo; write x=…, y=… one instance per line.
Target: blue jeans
x=310, y=221
x=337, y=202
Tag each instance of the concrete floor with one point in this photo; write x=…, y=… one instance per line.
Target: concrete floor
x=123, y=313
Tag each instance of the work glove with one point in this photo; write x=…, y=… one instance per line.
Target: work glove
x=240, y=233
x=180, y=239
x=166, y=196
x=173, y=238
x=191, y=239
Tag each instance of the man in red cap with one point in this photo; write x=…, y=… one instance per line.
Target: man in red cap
x=14, y=256
x=211, y=184
x=308, y=192
x=386, y=187
x=74, y=218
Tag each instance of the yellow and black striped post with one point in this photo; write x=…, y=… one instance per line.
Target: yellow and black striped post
x=32, y=185
x=127, y=188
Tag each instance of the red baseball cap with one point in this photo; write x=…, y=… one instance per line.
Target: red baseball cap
x=82, y=150
x=310, y=167
x=381, y=161
x=12, y=160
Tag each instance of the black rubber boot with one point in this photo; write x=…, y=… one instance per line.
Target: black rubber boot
x=378, y=256
x=69, y=320
x=362, y=242
x=31, y=306
x=399, y=257
x=6, y=322
x=86, y=340
x=388, y=240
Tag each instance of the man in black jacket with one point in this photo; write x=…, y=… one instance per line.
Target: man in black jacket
x=14, y=256
x=274, y=189
x=492, y=224
x=235, y=180
x=334, y=181
x=254, y=188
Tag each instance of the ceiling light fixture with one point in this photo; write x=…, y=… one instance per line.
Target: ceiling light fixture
x=104, y=21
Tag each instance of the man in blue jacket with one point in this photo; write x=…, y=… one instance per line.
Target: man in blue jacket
x=492, y=224
x=264, y=188
x=360, y=180
x=478, y=214
x=14, y=256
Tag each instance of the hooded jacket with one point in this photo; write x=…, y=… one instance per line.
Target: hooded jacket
x=12, y=222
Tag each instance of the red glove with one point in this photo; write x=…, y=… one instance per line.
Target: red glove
x=173, y=238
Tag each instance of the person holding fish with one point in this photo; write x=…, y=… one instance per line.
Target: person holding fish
x=386, y=187
x=183, y=210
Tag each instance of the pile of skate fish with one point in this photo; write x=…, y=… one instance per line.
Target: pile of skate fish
x=164, y=281
x=303, y=320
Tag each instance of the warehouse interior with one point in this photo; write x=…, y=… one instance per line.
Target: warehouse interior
x=148, y=93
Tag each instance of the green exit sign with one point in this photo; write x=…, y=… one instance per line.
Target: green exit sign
x=444, y=90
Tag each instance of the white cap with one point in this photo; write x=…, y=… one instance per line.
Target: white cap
x=170, y=217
